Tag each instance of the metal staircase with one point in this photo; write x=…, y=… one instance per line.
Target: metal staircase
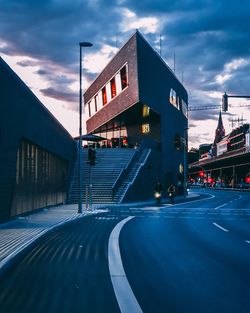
x=109, y=165
x=114, y=172
x=131, y=175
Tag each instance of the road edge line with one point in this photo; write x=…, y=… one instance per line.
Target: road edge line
x=125, y=297
x=220, y=227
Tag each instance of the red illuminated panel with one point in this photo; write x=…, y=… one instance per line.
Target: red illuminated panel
x=113, y=87
x=124, y=78
x=104, y=96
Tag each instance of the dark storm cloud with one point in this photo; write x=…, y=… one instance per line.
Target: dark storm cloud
x=204, y=35
x=204, y=115
x=26, y=63
x=52, y=29
x=59, y=86
x=59, y=94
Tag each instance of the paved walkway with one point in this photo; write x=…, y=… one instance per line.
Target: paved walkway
x=19, y=233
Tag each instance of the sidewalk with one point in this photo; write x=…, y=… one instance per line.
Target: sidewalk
x=19, y=233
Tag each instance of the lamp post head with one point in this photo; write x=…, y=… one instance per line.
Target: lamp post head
x=85, y=44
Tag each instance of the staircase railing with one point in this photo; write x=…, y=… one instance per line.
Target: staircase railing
x=120, y=179
x=118, y=182
x=148, y=151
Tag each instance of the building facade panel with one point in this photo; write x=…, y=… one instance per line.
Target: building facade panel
x=125, y=97
x=163, y=93
x=23, y=118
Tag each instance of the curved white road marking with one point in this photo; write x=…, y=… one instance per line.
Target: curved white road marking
x=222, y=228
x=191, y=201
x=124, y=294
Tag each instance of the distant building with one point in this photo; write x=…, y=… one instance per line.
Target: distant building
x=230, y=167
x=193, y=155
x=36, y=152
x=248, y=138
x=205, y=151
x=219, y=134
x=222, y=145
x=238, y=137
x=137, y=100
x=220, y=130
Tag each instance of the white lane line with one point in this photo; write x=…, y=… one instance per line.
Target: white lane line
x=220, y=206
x=227, y=203
x=124, y=294
x=222, y=228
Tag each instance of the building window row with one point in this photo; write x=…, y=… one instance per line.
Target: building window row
x=178, y=102
x=114, y=87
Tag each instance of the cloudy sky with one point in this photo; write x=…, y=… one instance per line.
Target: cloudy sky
x=210, y=40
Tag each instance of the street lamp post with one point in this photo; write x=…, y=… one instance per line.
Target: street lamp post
x=81, y=44
x=185, y=147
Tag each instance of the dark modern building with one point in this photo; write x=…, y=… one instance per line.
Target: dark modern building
x=138, y=101
x=36, y=152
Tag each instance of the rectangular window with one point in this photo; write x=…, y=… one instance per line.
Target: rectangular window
x=99, y=102
x=89, y=106
x=118, y=83
x=172, y=97
x=145, y=128
x=184, y=107
x=124, y=78
x=113, y=87
x=145, y=110
x=104, y=96
x=96, y=103
x=108, y=91
x=178, y=102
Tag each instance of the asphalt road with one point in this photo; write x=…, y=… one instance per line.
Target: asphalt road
x=191, y=257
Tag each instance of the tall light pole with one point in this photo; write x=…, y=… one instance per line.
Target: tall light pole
x=185, y=147
x=81, y=44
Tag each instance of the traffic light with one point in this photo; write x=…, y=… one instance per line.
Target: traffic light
x=91, y=156
x=225, y=102
x=201, y=174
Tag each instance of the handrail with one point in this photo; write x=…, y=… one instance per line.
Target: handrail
x=146, y=143
x=137, y=172
x=117, y=184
